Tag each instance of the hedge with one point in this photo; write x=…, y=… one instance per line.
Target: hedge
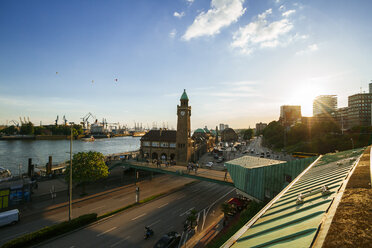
x=252, y=209
x=48, y=232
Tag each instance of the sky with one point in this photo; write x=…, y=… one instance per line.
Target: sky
x=129, y=61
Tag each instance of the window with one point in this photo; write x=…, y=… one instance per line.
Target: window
x=146, y=143
x=155, y=144
x=164, y=144
x=173, y=145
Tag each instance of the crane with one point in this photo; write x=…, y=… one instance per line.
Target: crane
x=85, y=120
x=57, y=120
x=65, y=120
x=16, y=123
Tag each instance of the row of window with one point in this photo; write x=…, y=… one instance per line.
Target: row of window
x=159, y=144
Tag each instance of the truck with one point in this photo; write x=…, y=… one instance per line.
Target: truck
x=9, y=217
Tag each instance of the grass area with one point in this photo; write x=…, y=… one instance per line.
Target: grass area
x=230, y=230
x=332, y=157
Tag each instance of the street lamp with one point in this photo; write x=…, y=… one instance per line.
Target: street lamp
x=70, y=183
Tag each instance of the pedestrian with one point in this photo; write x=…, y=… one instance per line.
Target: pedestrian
x=196, y=168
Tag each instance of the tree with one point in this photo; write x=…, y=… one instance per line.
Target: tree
x=27, y=128
x=87, y=167
x=247, y=134
x=191, y=218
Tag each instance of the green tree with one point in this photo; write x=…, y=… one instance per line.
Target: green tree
x=27, y=128
x=191, y=218
x=247, y=134
x=10, y=130
x=87, y=167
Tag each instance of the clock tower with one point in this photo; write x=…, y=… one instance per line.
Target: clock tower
x=183, y=137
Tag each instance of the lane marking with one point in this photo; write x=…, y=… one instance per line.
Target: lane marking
x=165, y=204
x=109, y=230
x=97, y=208
x=120, y=241
x=139, y=216
x=175, y=212
x=186, y=212
x=154, y=223
x=182, y=196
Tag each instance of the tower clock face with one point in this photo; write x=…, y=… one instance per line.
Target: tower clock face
x=182, y=113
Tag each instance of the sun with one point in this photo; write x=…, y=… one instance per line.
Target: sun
x=304, y=96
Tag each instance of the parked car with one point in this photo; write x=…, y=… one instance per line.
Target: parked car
x=169, y=240
x=9, y=217
x=262, y=155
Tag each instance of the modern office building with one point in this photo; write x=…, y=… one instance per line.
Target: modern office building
x=290, y=114
x=359, y=111
x=325, y=105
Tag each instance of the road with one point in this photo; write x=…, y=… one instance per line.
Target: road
x=101, y=204
x=162, y=215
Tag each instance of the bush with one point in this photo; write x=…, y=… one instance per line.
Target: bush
x=252, y=209
x=51, y=231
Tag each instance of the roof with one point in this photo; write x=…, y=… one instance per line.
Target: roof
x=160, y=135
x=184, y=95
x=199, y=130
x=206, y=130
x=254, y=162
x=290, y=222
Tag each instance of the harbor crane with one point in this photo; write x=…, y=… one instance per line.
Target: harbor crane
x=57, y=120
x=65, y=120
x=85, y=119
x=16, y=123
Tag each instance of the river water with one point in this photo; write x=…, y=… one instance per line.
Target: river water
x=14, y=154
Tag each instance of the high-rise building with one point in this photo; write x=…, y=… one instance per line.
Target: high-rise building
x=260, y=127
x=325, y=105
x=359, y=113
x=222, y=127
x=290, y=114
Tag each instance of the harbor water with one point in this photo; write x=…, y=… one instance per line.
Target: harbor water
x=14, y=154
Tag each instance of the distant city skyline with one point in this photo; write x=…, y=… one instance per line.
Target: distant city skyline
x=127, y=62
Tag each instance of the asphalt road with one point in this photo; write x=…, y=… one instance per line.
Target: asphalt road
x=101, y=204
x=162, y=215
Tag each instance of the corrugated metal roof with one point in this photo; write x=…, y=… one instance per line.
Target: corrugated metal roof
x=292, y=223
x=252, y=161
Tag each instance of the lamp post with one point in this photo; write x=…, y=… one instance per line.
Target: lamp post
x=352, y=143
x=70, y=181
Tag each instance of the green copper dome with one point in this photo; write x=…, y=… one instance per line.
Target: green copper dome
x=184, y=95
x=199, y=130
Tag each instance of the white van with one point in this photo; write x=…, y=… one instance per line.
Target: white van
x=9, y=217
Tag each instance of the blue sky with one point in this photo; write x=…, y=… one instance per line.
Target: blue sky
x=238, y=60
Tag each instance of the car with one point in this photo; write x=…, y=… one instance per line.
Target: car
x=262, y=155
x=169, y=240
x=244, y=152
x=9, y=217
x=209, y=164
x=268, y=155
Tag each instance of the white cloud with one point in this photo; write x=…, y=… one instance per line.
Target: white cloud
x=310, y=48
x=289, y=12
x=262, y=33
x=190, y=1
x=281, y=8
x=221, y=14
x=178, y=15
x=173, y=33
x=277, y=1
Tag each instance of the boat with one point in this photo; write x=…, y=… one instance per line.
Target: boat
x=88, y=139
x=5, y=174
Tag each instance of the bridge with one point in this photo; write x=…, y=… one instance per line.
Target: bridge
x=203, y=174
